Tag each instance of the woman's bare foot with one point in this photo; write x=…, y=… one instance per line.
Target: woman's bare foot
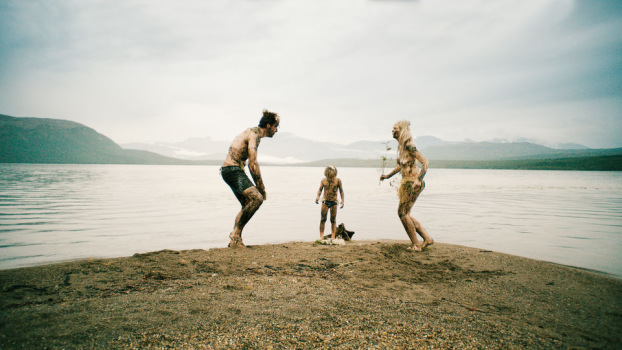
x=237, y=244
x=427, y=243
x=414, y=248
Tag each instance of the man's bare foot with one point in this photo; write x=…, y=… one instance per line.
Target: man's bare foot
x=427, y=243
x=414, y=248
x=232, y=237
x=236, y=241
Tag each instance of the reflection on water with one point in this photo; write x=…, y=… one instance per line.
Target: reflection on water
x=58, y=212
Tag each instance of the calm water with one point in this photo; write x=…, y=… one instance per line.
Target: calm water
x=52, y=213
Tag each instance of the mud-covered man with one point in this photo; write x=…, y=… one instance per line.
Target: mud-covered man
x=251, y=196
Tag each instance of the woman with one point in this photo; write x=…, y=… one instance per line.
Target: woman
x=412, y=183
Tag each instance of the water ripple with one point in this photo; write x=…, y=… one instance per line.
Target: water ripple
x=59, y=212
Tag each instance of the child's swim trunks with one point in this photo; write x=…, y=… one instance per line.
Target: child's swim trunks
x=330, y=203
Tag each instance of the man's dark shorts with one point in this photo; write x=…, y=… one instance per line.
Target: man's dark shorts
x=236, y=178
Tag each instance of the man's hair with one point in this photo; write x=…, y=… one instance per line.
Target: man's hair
x=404, y=137
x=269, y=118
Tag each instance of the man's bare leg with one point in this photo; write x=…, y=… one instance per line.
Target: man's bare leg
x=252, y=202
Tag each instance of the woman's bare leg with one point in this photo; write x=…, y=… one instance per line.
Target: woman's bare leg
x=404, y=213
x=427, y=240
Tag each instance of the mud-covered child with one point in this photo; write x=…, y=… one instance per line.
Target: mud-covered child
x=330, y=185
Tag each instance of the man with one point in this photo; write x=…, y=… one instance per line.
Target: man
x=244, y=147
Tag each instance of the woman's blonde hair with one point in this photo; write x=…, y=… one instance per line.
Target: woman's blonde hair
x=404, y=137
x=330, y=169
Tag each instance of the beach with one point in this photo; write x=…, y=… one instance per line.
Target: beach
x=303, y=295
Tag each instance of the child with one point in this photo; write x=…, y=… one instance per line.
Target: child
x=330, y=184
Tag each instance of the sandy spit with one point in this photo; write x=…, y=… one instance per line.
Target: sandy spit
x=302, y=295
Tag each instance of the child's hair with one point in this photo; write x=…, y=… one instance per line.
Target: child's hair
x=330, y=169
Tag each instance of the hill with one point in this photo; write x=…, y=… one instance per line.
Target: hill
x=42, y=140
x=496, y=151
x=590, y=163
x=286, y=148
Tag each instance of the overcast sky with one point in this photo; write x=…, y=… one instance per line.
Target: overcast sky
x=340, y=70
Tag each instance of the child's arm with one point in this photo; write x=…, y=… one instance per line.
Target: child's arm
x=342, y=194
x=319, y=192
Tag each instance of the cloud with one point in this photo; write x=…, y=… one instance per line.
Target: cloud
x=340, y=71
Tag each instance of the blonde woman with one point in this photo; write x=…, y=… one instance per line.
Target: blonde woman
x=330, y=185
x=412, y=183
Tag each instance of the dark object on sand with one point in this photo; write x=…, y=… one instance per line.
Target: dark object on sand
x=343, y=233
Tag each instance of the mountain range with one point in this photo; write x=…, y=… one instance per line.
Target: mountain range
x=42, y=140
x=287, y=148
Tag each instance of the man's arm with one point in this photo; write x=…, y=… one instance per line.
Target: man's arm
x=395, y=171
x=424, y=164
x=253, y=165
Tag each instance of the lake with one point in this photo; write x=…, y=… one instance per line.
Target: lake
x=51, y=213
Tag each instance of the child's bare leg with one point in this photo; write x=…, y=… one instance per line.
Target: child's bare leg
x=333, y=221
x=323, y=213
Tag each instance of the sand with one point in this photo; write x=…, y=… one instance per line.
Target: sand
x=372, y=295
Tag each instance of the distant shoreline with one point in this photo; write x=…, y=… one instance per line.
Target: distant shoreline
x=596, y=163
